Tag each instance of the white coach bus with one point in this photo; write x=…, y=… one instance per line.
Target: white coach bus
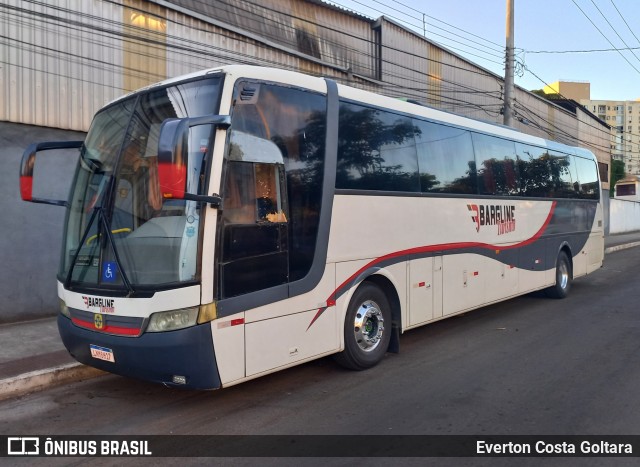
x=241, y=220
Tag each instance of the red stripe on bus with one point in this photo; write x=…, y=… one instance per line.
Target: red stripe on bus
x=436, y=248
x=107, y=329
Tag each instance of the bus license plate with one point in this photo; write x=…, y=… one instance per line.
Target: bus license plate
x=102, y=353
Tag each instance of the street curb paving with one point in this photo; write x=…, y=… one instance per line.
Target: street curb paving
x=42, y=379
x=624, y=246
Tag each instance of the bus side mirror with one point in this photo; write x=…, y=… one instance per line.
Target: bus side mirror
x=173, y=150
x=28, y=163
x=172, y=158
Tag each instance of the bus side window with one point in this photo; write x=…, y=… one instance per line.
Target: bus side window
x=445, y=158
x=563, y=175
x=588, y=178
x=238, y=193
x=376, y=150
x=272, y=188
x=496, y=164
x=534, y=171
x=254, y=235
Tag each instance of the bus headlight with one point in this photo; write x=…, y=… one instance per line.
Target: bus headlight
x=173, y=319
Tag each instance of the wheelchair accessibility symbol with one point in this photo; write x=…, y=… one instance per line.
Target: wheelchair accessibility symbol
x=109, y=272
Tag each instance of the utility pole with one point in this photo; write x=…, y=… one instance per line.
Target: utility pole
x=509, y=68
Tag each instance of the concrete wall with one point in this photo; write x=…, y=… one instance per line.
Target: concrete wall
x=624, y=216
x=31, y=234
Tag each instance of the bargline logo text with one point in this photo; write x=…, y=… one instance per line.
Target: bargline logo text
x=106, y=305
x=503, y=216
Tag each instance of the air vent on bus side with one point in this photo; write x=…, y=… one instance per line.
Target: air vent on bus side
x=249, y=93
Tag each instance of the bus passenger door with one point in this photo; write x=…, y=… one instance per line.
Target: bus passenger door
x=425, y=290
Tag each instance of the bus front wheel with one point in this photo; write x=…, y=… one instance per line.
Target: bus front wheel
x=563, y=277
x=367, y=328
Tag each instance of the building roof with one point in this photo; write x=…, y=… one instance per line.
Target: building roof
x=629, y=179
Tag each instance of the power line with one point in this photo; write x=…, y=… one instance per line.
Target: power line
x=102, y=32
x=417, y=26
x=553, y=125
x=435, y=34
x=614, y=29
x=625, y=21
x=207, y=46
x=499, y=47
x=617, y=49
x=603, y=35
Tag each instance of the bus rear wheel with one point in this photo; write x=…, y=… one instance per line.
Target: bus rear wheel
x=563, y=277
x=367, y=328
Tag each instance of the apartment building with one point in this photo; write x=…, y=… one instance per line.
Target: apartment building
x=624, y=119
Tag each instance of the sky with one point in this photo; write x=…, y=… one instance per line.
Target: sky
x=476, y=29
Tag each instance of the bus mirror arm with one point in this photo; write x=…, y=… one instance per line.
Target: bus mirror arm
x=214, y=200
x=28, y=163
x=173, y=150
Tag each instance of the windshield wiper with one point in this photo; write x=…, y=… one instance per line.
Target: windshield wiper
x=99, y=211
x=125, y=279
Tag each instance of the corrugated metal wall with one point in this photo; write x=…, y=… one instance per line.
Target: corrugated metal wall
x=308, y=29
x=66, y=59
x=59, y=64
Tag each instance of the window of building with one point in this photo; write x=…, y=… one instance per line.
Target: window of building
x=604, y=171
x=626, y=190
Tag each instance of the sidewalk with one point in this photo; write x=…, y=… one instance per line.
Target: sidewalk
x=621, y=241
x=32, y=356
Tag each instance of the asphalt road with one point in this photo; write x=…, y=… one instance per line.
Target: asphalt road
x=528, y=366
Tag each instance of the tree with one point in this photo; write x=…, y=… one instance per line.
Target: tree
x=617, y=173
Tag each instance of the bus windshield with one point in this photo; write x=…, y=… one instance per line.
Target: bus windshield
x=119, y=232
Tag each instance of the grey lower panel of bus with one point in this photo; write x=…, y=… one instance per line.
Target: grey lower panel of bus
x=156, y=357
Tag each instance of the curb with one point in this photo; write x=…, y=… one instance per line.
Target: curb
x=624, y=246
x=43, y=379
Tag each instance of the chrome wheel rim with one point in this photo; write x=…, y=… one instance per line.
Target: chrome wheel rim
x=368, y=326
x=563, y=269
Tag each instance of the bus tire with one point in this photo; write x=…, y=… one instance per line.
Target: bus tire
x=367, y=328
x=563, y=277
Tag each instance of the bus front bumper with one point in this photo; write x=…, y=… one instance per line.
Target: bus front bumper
x=184, y=358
